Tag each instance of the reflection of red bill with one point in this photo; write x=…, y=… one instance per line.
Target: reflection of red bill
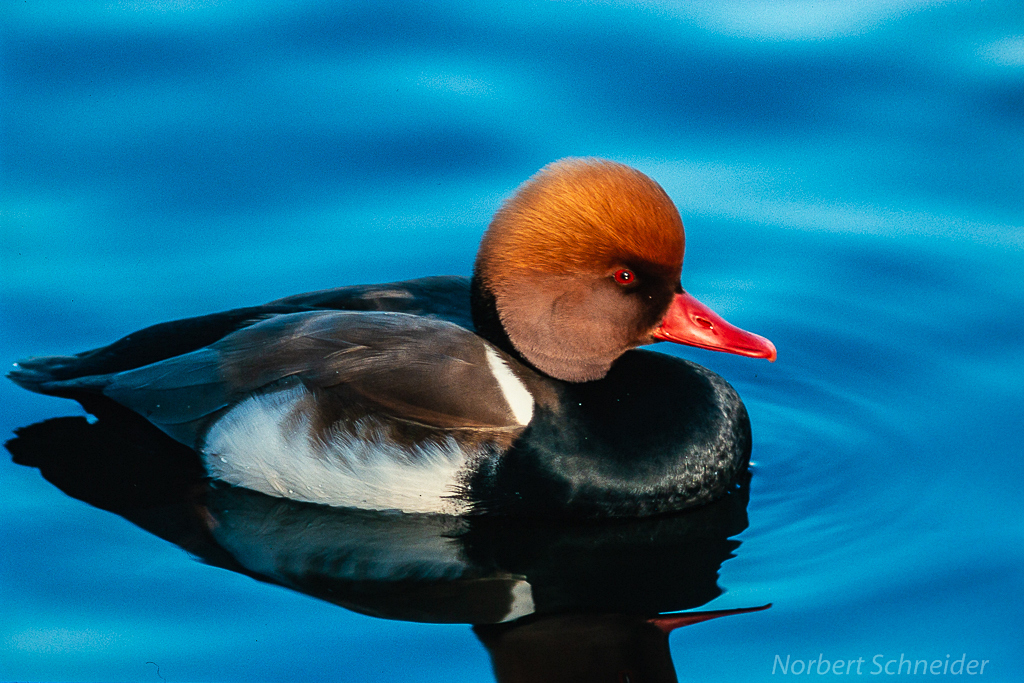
x=668, y=622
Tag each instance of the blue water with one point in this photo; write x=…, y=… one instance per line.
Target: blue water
x=851, y=177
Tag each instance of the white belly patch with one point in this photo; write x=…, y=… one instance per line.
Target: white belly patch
x=266, y=444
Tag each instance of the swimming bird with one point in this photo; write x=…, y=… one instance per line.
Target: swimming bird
x=517, y=391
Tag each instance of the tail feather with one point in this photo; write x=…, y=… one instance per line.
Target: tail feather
x=50, y=375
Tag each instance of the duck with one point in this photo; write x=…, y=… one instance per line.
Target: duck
x=517, y=391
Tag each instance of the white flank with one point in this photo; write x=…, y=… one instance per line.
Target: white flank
x=265, y=444
x=515, y=392
x=392, y=549
x=522, y=601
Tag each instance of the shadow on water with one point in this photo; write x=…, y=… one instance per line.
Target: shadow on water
x=549, y=601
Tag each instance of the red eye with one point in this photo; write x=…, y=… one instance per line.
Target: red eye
x=624, y=276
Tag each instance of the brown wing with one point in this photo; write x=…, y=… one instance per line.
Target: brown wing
x=426, y=371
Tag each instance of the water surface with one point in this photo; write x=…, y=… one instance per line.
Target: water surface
x=850, y=175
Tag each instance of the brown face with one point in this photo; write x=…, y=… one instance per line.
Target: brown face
x=582, y=262
x=574, y=326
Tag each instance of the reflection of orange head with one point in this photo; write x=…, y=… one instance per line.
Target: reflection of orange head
x=588, y=647
x=579, y=647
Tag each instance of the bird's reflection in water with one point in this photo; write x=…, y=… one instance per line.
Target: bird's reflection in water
x=549, y=601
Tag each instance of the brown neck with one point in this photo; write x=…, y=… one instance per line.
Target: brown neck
x=579, y=365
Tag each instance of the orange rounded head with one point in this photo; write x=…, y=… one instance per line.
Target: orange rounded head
x=582, y=263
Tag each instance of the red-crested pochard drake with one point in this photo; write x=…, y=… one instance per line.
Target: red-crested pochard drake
x=514, y=392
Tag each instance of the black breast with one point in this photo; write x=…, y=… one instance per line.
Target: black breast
x=657, y=434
